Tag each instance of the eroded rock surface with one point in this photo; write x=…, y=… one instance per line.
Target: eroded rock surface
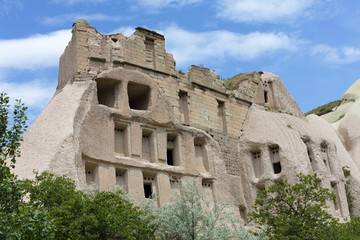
x=123, y=115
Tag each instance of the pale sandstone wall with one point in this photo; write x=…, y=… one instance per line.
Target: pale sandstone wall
x=264, y=130
x=345, y=119
x=121, y=105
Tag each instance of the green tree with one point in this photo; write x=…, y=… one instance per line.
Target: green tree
x=189, y=216
x=77, y=215
x=10, y=137
x=295, y=211
x=18, y=219
x=346, y=231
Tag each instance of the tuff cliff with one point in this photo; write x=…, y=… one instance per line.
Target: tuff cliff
x=123, y=115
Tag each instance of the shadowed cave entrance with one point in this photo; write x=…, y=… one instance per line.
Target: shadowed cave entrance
x=139, y=96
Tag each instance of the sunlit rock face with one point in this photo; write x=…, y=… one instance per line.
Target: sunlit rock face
x=123, y=115
x=345, y=119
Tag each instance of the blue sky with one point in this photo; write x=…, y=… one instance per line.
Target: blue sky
x=313, y=45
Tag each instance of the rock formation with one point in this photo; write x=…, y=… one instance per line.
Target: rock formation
x=123, y=115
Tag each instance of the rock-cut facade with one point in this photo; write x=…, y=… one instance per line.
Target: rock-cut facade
x=123, y=115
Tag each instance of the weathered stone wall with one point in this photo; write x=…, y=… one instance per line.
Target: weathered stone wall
x=138, y=123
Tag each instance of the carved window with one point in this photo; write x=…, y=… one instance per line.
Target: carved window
x=121, y=178
x=310, y=153
x=91, y=173
x=121, y=139
x=266, y=96
x=335, y=188
x=256, y=163
x=222, y=115
x=139, y=96
x=207, y=187
x=324, y=154
x=172, y=151
x=149, y=52
x=201, y=160
x=275, y=158
x=106, y=91
x=149, y=185
x=174, y=181
x=183, y=104
x=147, y=144
x=243, y=213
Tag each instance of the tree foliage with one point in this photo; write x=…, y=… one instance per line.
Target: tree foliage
x=295, y=211
x=10, y=137
x=189, y=216
x=77, y=215
x=345, y=231
x=18, y=219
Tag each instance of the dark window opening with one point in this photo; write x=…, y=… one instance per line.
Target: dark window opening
x=170, y=157
x=323, y=147
x=309, y=151
x=172, y=153
x=277, y=167
x=148, y=190
x=149, y=44
x=265, y=96
x=256, y=155
x=274, y=150
x=139, y=96
x=242, y=211
x=260, y=187
x=206, y=183
x=106, y=92
x=309, y=155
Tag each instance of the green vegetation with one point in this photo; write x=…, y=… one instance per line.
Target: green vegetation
x=349, y=197
x=233, y=82
x=346, y=231
x=77, y=215
x=18, y=219
x=181, y=72
x=50, y=207
x=295, y=211
x=298, y=212
x=341, y=117
x=324, y=108
x=189, y=216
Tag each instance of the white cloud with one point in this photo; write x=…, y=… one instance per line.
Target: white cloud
x=35, y=94
x=37, y=51
x=194, y=48
x=127, y=31
x=262, y=10
x=73, y=17
x=155, y=5
x=343, y=55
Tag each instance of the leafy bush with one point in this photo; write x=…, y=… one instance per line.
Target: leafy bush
x=189, y=216
x=345, y=231
x=324, y=108
x=295, y=211
x=18, y=219
x=105, y=215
